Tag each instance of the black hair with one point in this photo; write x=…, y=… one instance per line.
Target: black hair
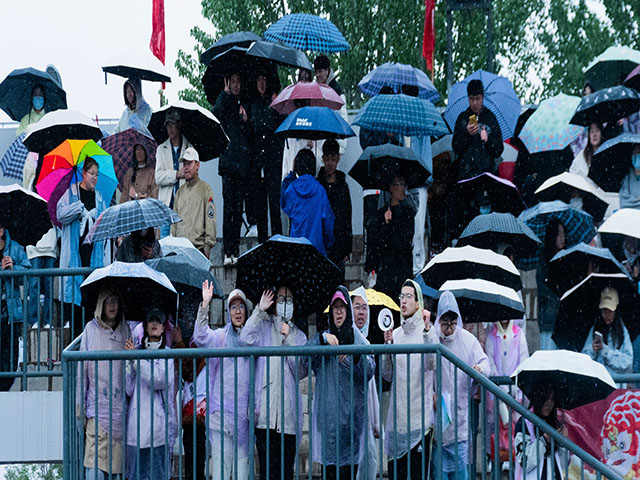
x=330, y=147
x=135, y=161
x=475, y=87
x=321, y=62
x=386, y=90
x=616, y=329
x=135, y=95
x=587, y=84
x=549, y=248
x=411, y=90
x=588, y=149
x=88, y=163
x=36, y=86
x=305, y=163
x=409, y=283
x=163, y=342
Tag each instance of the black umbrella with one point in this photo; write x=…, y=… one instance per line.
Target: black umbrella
x=611, y=162
x=56, y=127
x=501, y=193
x=291, y=262
x=606, y=105
x=280, y=54
x=185, y=272
x=16, y=89
x=235, y=39
x=24, y=214
x=377, y=166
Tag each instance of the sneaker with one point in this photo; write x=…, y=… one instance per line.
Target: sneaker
x=228, y=260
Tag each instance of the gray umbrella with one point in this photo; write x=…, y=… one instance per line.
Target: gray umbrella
x=280, y=54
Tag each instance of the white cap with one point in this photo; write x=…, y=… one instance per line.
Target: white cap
x=190, y=155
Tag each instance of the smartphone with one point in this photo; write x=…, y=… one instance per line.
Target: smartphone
x=473, y=119
x=597, y=336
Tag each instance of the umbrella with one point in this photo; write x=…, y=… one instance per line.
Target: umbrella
x=499, y=98
x=488, y=231
x=568, y=267
x=137, y=64
x=315, y=123
x=62, y=169
x=623, y=222
x=579, y=307
x=181, y=245
x=633, y=79
x=198, y=125
x=291, y=262
x=307, y=32
x=578, y=226
x=548, y=128
x=185, y=272
x=607, y=105
x=235, y=39
x=312, y=94
x=401, y=114
x=24, y=214
x=377, y=166
x=12, y=163
x=573, y=377
x=120, y=146
x=395, y=75
x=611, y=162
x=56, y=127
x=279, y=54
x=484, y=301
x=140, y=286
x=15, y=92
x=129, y=217
x=502, y=193
x=459, y=263
x=564, y=186
x=611, y=67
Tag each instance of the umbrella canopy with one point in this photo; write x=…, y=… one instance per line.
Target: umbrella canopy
x=199, y=126
x=311, y=94
x=139, y=285
x=611, y=67
x=502, y=193
x=181, y=245
x=484, y=301
x=607, y=105
x=573, y=377
x=129, y=217
x=568, y=267
x=633, y=79
x=548, y=128
x=62, y=169
x=12, y=163
x=395, y=75
x=493, y=229
x=612, y=161
x=578, y=226
x=120, y=146
x=279, y=54
x=377, y=166
x=56, y=127
x=235, y=39
x=16, y=90
x=566, y=185
x=459, y=263
x=401, y=114
x=580, y=307
x=623, y=222
x=499, y=97
x=291, y=262
x=185, y=272
x=24, y=214
x=137, y=64
x=307, y=32
x=315, y=123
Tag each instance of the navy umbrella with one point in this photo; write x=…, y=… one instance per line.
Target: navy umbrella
x=16, y=89
x=377, y=166
x=611, y=162
x=315, y=123
x=56, y=127
x=502, y=193
x=307, y=32
x=396, y=75
x=606, y=105
x=235, y=39
x=24, y=214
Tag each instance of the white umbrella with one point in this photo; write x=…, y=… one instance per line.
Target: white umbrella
x=559, y=187
x=58, y=126
x=180, y=245
x=137, y=64
x=574, y=378
x=623, y=222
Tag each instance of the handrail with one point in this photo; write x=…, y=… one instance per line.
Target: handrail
x=46, y=272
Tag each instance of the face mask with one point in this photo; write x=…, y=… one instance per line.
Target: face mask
x=484, y=210
x=38, y=103
x=576, y=203
x=285, y=311
x=635, y=159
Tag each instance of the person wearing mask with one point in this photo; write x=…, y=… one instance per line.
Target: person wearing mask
x=406, y=444
x=582, y=162
x=271, y=325
x=456, y=392
x=194, y=204
x=37, y=110
x=630, y=188
x=235, y=163
x=140, y=179
x=137, y=112
x=338, y=422
x=139, y=246
x=228, y=387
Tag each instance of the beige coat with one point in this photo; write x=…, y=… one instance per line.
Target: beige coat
x=194, y=203
x=145, y=184
x=165, y=174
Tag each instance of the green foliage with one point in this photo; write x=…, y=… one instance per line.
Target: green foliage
x=34, y=471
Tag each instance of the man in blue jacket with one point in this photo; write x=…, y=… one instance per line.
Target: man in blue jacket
x=306, y=203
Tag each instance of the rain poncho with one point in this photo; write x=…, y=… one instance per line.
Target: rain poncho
x=29, y=119
x=138, y=118
x=616, y=360
x=410, y=412
x=630, y=191
x=12, y=295
x=337, y=424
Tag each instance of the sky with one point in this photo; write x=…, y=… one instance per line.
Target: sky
x=79, y=36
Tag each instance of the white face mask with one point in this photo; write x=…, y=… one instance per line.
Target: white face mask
x=285, y=311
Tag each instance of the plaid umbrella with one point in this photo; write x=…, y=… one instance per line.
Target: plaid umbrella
x=120, y=146
x=499, y=98
x=395, y=75
x=131, y=216
x=548, y=128
x=611, y=67
x=401, y=114
x=612, y=161
x=607, y=105
x=307, y=32
x=12, y=163
x=578, y=226
x=311, y=93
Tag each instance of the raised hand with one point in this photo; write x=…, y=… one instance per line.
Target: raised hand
x=207, y=293
x=266, y=300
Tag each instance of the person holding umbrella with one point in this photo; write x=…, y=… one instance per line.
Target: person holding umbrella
x=137, y=112
x=582, y=161
x=140, y=180
x=37, y=111
x=139, y=246
x=630, y=188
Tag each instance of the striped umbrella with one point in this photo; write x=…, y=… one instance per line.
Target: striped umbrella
x=395, y=75
x=307, y=32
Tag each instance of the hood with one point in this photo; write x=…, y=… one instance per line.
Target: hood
x=341, y=178
x=7, y=239
x=416, y=320
x=361, y=292
x=345, y=333
x=104, y=293
x=306, y=186
x=448, y=303
x=137, y=87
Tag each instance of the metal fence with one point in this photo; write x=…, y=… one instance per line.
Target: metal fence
x=260, y=424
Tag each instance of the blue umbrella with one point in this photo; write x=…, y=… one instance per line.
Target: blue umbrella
x=499, y=97
x=12, y=163
x=307, y=32
x=315, y=123
x=15, y=92
x=395, y=75
x=401, y=114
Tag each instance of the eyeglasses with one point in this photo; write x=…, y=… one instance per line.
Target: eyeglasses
x=234, y=308
x=360, y=308
x=408, y=296
x=340, y=308
x=447, y=326
x=282, y=299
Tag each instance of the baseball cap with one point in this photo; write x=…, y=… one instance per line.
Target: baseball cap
x=190, y=155
x=609, y=299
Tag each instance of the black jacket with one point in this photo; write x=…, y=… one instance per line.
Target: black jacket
x=236, y=159
x=266, y=147
x=340, y=200
x=474, y=157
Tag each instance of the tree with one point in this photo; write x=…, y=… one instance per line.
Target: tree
x=34, y=471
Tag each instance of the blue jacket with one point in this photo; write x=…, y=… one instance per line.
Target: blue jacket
x=306, y=203
x=12, y=295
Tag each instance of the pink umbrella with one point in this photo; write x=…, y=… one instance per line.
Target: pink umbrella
x=306, y=94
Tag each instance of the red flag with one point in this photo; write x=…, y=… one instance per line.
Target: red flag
x=157, y=44
x=429, y=38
